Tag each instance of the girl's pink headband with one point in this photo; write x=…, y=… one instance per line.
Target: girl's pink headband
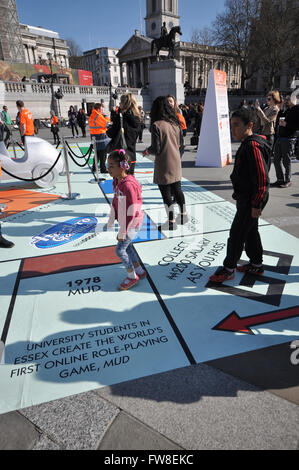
x=123, y=163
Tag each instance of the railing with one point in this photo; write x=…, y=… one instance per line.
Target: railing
x=40, y=88
x=69, y=89
x=15, y=87
x=45, y=88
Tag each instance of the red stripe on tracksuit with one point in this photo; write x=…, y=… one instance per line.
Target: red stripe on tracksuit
x=261, y=174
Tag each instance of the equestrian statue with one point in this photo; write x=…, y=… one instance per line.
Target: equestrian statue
x=167, y=40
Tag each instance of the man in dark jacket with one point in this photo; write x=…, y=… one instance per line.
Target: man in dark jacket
x=251, y=191
x=288, y=124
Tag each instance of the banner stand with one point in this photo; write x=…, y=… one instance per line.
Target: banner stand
x=70, y=195
x=214, y=145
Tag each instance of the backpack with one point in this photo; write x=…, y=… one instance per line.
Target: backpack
x=265, y=147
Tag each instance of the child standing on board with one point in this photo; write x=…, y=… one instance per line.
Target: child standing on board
x=126, y=209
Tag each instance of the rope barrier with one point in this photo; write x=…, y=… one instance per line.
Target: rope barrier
x=33, y=179
x=86, y=159
x=19, y=145
x=79, y=156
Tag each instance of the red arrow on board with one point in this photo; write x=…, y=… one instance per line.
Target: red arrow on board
x=237, y=324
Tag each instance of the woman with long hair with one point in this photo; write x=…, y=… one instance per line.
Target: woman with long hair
x=131, y=124
x=173, y=102
x=166, y=141
x=268, y=115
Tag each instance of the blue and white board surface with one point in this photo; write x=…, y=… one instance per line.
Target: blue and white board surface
x=70, y=330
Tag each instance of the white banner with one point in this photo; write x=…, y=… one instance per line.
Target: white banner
x=214, y=147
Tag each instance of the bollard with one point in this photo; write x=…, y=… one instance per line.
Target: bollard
x=70, y=195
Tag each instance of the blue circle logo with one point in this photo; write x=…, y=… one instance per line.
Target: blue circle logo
x=65, y=232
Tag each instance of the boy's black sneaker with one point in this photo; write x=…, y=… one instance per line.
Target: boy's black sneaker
x=222, y=274
x=251, y=269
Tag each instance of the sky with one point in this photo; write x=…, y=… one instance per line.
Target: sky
x=109, y=23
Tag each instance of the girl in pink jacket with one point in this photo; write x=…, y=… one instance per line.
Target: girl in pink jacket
x=126, y=209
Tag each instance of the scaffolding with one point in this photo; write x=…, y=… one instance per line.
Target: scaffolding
x=11, y=46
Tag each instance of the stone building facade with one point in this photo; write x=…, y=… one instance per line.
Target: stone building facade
x=39, y=42
x=197, y=60
x=104, y=64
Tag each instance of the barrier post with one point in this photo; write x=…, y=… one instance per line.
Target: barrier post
x=70, y=195
x=96, y=162
x=95, y=152
x=13, y=146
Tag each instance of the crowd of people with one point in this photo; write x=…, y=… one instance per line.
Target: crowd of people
x=263, y=131
x=278, y=121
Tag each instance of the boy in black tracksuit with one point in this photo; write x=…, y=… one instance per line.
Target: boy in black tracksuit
x=251, y=191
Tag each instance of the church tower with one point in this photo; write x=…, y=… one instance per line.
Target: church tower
x=158, y=11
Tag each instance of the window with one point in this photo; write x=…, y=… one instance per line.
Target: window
x=154, y=6
x=169, y=5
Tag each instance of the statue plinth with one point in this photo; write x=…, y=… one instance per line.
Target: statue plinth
x=166, y=78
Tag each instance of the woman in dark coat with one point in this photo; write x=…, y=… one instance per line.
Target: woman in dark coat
x=167, y=138
x=131, y=124
x=81, y=120
x=72, y=115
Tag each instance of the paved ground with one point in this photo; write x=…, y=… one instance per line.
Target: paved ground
x=222, y=404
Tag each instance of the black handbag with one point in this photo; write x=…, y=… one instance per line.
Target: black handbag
x=118, y=141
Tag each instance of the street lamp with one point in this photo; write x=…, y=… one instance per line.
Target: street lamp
x=53, y=106
x=112, y=96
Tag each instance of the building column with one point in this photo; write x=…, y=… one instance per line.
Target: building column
x=142, y=78
x=27, y=53
x=196, y=74
x=33, y=54
x=206, y=73
x=134, y=74
x=128, y=73
x=191, y=75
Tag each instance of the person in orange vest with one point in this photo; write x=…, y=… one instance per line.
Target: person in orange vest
x=26, y=121
x=97, y=128
x=54, y=128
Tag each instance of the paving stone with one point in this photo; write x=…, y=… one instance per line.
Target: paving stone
x=74, y=423
x=44, y=443
x=127, y=433
x=202, y=408
x=16, y=432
